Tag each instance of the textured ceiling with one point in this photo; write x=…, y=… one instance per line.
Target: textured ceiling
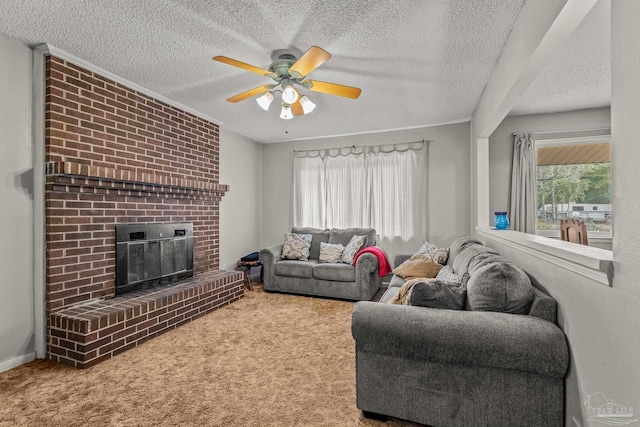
x=418, y=62
x=579, y=76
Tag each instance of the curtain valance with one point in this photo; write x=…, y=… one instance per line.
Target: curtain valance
x=365, y=149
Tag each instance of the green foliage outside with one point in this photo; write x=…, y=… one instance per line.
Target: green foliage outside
x=565, y=184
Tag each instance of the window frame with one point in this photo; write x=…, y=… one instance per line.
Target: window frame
x=554, y=141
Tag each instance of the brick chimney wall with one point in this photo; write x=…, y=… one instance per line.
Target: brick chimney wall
x=115, y=156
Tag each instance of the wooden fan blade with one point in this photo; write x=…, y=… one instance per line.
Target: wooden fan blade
x=312, y=59
x=244, y=66
x=251, y=92
x=334, y=89
x=296, y=108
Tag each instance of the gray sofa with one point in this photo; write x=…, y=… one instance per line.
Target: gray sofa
x=461, y=367
x=312, y=277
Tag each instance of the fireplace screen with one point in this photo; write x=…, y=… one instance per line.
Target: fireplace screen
x=151, y=254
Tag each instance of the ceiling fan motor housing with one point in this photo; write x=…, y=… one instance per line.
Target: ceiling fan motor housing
x=282, y=65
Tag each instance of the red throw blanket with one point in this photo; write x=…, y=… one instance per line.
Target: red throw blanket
x=384, y=267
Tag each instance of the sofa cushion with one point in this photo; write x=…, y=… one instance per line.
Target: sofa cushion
x=355, y=244
x=419, y=265
x=330, y=252
x=396, y=281
x=293, y=268
x=343, y=236
x=317, y=236
x=500, y=286
x=391, y=292
x=483, y=258
x=543, y=306
x=458, y=245
x=469, y=255
x=335, y=272
x=439, y=294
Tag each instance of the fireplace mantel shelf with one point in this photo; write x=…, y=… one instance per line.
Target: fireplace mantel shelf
x=99, y=176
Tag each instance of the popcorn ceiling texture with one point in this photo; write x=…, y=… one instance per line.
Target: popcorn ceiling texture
x=580, y=74
x=419, y=63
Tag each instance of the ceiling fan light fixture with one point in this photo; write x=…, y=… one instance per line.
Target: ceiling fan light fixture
x=289, y=94
x=289, y=74
x=265, y=101
x=307, y=105
x=286, y=112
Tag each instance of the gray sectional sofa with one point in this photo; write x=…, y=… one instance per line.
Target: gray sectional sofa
x=312, y=277
x=444, y=367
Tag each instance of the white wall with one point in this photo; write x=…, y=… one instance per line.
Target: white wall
x=240, y=209
x=16, y=215
x=449, y=215
x=623, y=301
x=602, y=323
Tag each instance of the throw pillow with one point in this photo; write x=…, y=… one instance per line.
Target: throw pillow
x=296, y=246
x=439, y=294
x=317, y=236
x=447, y=275
x=330, y=252
x=437, y=254
x=500, y=286
x=355, y=244
x=418, y=265
x=404, y=293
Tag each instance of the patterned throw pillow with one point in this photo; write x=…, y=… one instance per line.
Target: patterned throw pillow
x=439, y=255
x=331, y=252
x=296, y=246
x=447, y=275
x=355, y=244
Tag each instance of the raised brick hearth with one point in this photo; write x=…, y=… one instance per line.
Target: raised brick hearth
x=87, y=334
x=114, y=156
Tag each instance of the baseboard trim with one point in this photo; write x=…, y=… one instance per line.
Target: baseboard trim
x=17, y=361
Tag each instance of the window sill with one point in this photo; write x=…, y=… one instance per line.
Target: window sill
x=592, y=235
x=593, y=263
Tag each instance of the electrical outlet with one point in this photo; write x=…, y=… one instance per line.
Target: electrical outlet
x=224, y=266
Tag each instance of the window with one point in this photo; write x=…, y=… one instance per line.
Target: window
x=373, y=186
x=574, y=181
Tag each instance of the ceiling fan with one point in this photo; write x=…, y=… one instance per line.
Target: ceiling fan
x=290, y=73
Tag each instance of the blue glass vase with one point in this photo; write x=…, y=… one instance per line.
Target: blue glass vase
x=501, y=221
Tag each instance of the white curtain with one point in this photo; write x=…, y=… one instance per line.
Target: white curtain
x=309, y=191
x=522, y=214
x=382, y=187
x=399, y=188
x=348, y=196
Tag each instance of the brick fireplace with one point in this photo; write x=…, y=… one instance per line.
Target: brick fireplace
x=115, y=156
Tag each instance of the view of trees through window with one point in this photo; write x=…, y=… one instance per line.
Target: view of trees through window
x=581, y=191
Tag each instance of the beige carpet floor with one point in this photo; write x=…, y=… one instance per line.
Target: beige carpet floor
x=266, y=360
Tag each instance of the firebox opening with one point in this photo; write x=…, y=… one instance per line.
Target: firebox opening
x=151, y=254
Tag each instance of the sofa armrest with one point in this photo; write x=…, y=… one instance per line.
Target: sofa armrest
x=268, y=258
x=471, y=338
x=367, y=278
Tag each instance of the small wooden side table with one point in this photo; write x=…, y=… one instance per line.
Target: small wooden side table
x=245, y=267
